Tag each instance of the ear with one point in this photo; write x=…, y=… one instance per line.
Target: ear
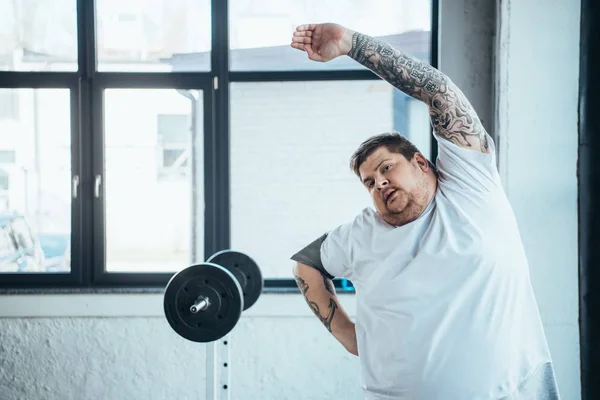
x=422, y=162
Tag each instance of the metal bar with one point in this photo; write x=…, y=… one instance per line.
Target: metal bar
x=38, y=280
x=200, y=304
x=210, y=199
x=18, y=79
x=211, y=371
x=589, y=200
x=223, y=369
x=129, y=279
x=434, y=61
x=273, y=76
x=220, y=68
x=97, y=191
x=158, y=80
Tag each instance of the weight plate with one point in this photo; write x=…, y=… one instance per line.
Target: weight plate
x=215, y=284
x=246, y=271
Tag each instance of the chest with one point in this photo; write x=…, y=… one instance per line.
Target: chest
x=449, y=246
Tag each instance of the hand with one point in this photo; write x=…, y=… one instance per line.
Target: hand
x=323, y=42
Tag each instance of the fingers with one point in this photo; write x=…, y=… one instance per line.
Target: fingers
x=298, y=46
x=302, y=39
x=303, y=33
x=309, y=51
x=309, y=27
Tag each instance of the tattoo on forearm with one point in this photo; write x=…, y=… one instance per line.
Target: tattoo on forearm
x=326, y=320
x=328, y=285
x=452, y=116
x=301, y=284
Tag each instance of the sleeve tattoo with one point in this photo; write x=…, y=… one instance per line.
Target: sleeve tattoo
x=452, y=116
x=325, y=319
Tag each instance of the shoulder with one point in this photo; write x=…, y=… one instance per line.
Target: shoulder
x=364, y=220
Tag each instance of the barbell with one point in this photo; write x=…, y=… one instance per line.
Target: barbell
x=204, y=302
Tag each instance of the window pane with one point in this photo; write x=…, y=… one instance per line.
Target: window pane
x=290, y=152
x=260, y=31
x=153, y=36
x=38, y=35
x=35, y=176
x=154, y=192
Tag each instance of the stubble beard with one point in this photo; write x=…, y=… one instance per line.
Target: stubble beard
x=416, y=205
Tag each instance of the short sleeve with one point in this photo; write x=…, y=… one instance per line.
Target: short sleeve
x=311, y=256
x=469, y=169
x=327, y=254
x=335, y=253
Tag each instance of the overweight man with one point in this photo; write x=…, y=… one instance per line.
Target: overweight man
x=445, y=306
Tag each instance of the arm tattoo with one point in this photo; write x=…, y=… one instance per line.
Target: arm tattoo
x=452, y=116
x=326, y=320
x=301, y=284
x=328, y=285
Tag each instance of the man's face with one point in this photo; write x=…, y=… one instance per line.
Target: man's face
x=400, y=189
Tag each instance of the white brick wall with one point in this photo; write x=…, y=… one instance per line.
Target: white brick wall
x=290, y=149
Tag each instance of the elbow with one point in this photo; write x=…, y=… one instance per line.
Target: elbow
x=298, y=270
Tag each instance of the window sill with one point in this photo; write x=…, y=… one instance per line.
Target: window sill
x=144, y=303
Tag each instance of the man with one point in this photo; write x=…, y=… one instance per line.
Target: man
x=445, y=307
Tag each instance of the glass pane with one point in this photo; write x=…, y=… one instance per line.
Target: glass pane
x=153, y=35
x=260, y=31
x=35, y=181
x=38, y=35
x=290, y=152
x=154, y=179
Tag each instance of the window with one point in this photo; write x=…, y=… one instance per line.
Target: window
x=137, y=138
x=156, y=36
x=7, y=246
x=9, y=107
x=38, y=35
x=3, y=181
x=7, y=157
x=260, y=30
x=173, y=145
x=150, y=228
x=22, y=233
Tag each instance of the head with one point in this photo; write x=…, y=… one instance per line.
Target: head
x=400, y=180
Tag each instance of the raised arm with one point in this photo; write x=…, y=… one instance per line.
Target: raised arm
x=452, y=116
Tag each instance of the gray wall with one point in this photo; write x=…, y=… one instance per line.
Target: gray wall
x=538, y=67
x=120, y=347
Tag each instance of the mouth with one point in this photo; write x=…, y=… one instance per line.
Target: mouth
x=389, y=196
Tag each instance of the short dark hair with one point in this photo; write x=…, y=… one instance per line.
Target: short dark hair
x=393, y=141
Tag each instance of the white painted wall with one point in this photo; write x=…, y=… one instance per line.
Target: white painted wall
x=120, y=347
x=79, y=347
x=538, y=66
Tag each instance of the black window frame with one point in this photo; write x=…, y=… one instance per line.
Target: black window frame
x=87, y=85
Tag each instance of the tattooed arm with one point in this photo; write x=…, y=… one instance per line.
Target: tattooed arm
x=452, y=116
x=319, y=293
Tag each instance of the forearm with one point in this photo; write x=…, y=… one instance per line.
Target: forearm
x=452, y=116
x=319, y=293
x=412, y=76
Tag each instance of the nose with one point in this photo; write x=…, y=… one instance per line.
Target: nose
x=381, y=184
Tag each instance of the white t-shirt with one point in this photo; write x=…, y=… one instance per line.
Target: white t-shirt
x=445, y=306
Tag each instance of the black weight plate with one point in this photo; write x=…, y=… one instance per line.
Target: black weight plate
x=219, y=287
x=246, y=271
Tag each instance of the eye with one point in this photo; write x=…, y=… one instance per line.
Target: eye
x=370, y=184
x=387, y=167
